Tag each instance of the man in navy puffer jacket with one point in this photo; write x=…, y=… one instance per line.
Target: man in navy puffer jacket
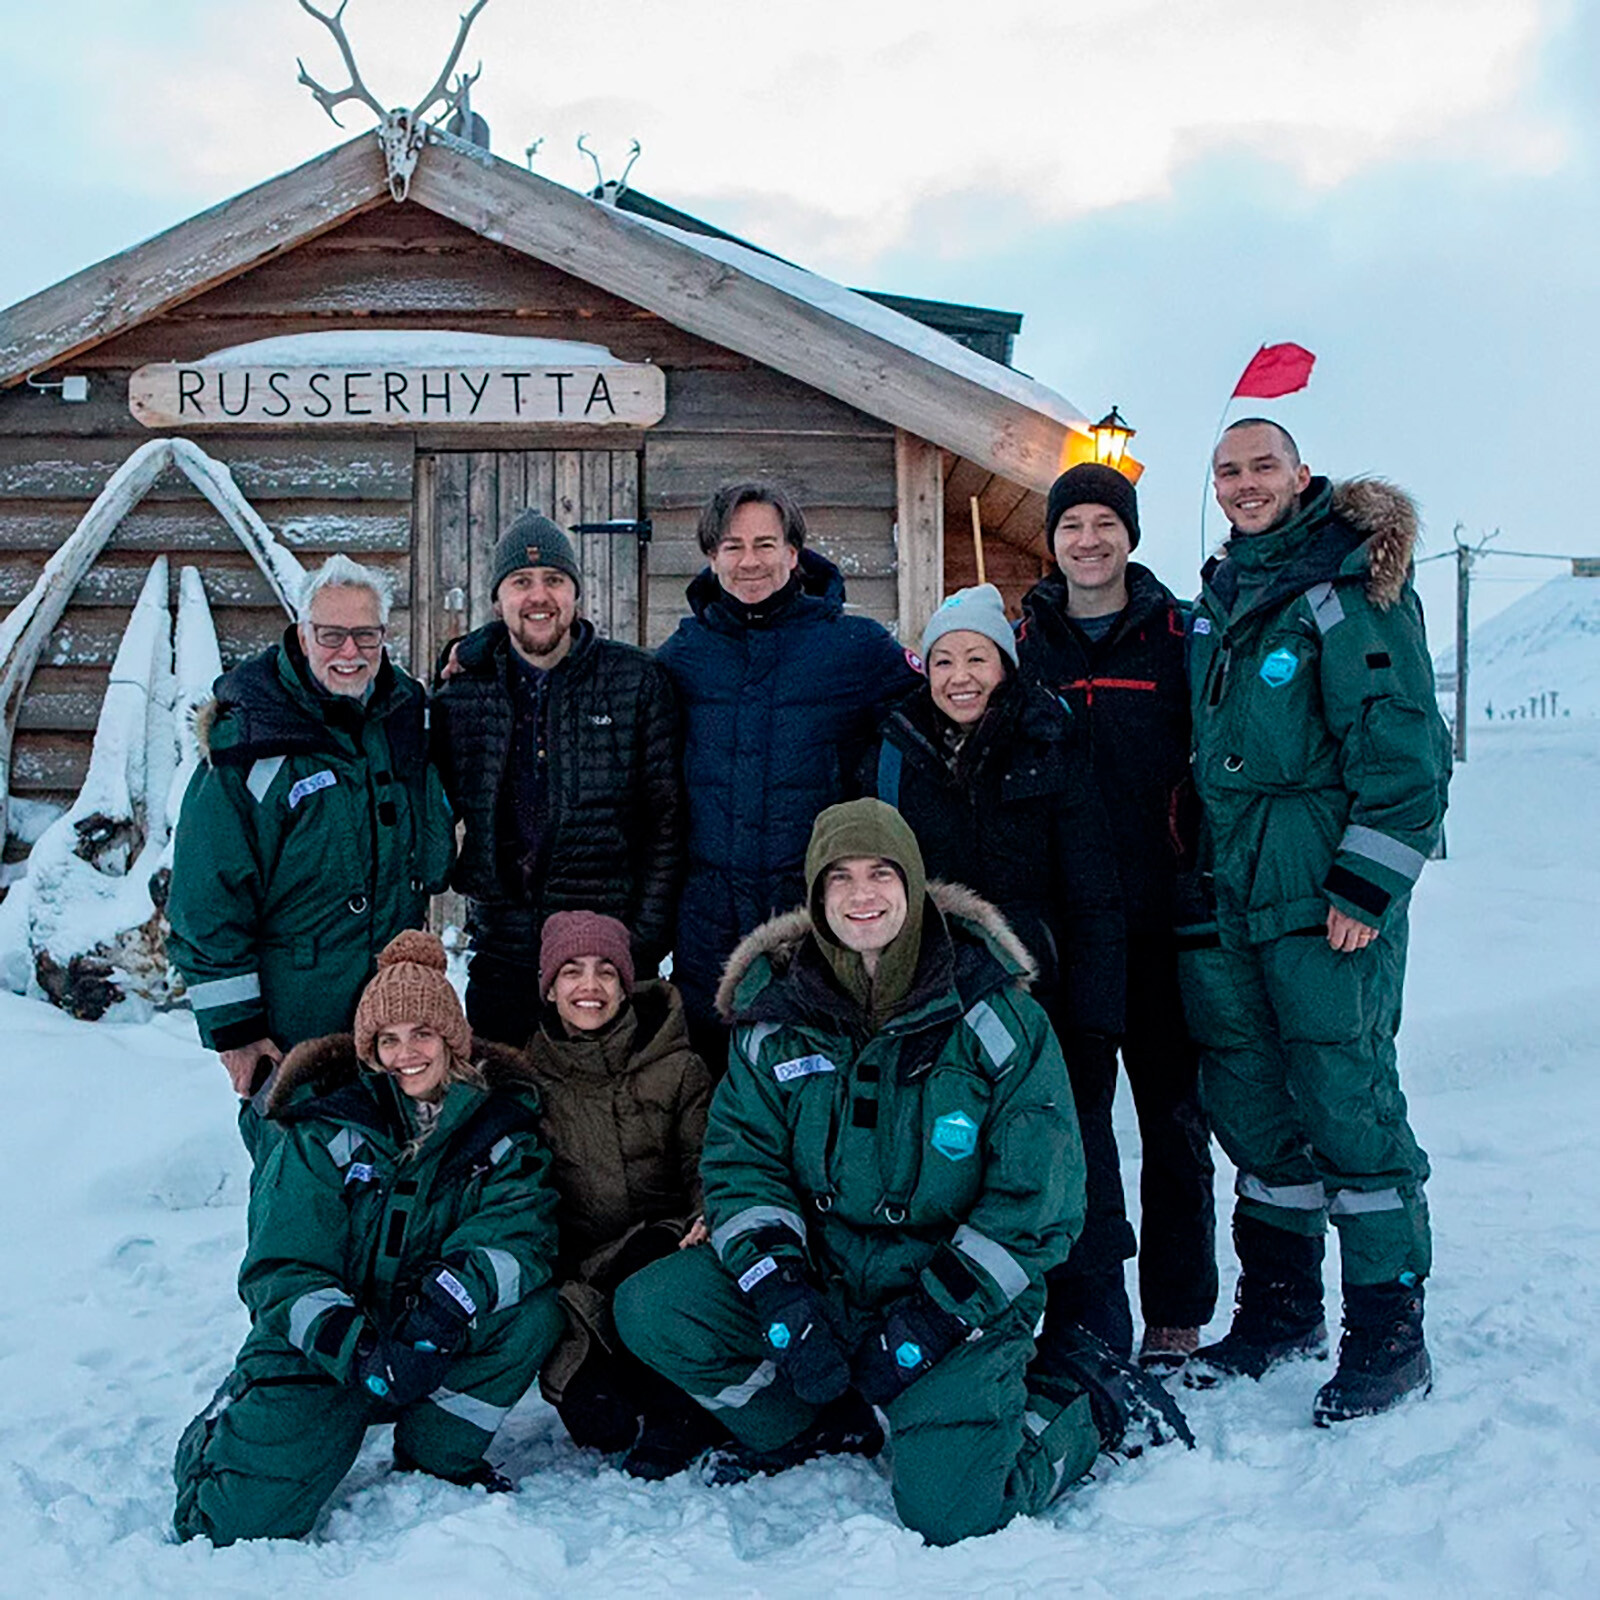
x=781, y=691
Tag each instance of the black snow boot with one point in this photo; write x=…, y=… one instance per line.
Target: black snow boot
x=1382, y=1358
x=1130, y=1408
x=843, y=1427
x=673, y=1438
x=1277, y=1312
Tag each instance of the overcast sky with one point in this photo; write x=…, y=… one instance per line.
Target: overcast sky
x=1408, y=187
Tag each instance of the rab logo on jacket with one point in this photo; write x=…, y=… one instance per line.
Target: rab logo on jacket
x=955, y=1135
x=1279, y=668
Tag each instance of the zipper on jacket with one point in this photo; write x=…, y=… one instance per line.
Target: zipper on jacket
x=1218, y=674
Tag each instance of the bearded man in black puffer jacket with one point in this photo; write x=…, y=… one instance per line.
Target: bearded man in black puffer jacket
x=560, y=753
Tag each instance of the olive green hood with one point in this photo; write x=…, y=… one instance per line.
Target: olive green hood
x=868, y=828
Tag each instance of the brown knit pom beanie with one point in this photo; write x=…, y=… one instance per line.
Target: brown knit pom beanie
x=411, y=986
x=570, y=934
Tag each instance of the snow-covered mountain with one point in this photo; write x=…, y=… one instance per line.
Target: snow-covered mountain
x=1547, y=643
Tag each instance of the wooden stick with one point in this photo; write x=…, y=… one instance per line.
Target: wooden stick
x=977, y=538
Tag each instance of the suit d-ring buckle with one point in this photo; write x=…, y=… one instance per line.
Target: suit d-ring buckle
x=358, y=905
x=894, y=1215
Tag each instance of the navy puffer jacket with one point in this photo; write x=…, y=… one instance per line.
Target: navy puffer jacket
x=779, y=702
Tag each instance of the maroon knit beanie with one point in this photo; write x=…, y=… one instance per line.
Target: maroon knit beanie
x=569, y=935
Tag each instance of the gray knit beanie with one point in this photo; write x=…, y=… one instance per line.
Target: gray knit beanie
x=976, y=610
x=533, y=540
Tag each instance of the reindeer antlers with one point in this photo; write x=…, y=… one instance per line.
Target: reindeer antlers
x=467, y=79
x=329, y=98
x=357, y=90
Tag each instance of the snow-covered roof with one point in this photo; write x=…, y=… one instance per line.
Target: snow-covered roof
x=800, y=324
x=850, y=306
x=403, y=347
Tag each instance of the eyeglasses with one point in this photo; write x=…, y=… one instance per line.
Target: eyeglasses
x=331, y=638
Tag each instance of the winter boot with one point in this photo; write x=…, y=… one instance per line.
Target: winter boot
x=1131, y=1409
x=1277, y=1314
x=672, y=1439
x=843, y=1427
x=1382, y=1358
x=1166, y=1351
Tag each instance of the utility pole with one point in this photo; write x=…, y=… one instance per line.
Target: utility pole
x=1463, y=588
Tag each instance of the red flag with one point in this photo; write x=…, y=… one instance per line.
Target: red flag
x=1275, y=369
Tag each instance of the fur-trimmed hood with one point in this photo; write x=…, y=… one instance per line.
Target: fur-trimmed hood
x=1387, y=518
x=781, y=937
x=329, y=1063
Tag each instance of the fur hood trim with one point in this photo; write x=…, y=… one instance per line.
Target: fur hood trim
x=1387, y=519
x=329, y=1063
x=780, y=937
x=205, y=719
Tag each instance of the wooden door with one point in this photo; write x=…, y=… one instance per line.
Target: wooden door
x=465, y=499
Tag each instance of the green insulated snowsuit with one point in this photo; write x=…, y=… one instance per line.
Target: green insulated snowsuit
x=1322, y=765
x=346, y=1213
x=312, y=833
x=941, y=1151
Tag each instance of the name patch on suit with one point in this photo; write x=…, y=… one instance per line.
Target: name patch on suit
x=802, y=1067
x=317, y=780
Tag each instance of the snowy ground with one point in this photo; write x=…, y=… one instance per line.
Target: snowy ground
x=122, y=1186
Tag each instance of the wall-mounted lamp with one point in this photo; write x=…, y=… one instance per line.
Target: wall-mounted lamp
x=1111, y=436
x=74, y=389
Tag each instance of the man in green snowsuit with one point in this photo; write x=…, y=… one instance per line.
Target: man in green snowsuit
x=401, y=1243
x=313, y=831
x=1322, y=765
x=892, y=1163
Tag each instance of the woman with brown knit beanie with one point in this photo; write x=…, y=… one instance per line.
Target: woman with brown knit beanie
x=402, y=1239
x=625, y=1100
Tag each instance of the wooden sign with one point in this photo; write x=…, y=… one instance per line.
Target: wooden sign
x=174, y=395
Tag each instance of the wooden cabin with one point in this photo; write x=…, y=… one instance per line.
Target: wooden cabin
x=723, y=362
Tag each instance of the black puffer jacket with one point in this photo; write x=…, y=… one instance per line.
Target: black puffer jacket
x=613, y=834
x=1015, y=816
x=1130, y=691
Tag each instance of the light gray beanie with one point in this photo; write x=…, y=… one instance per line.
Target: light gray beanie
x=976, y=610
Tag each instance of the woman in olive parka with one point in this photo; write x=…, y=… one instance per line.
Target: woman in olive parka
x=401, y=1241
x=624, y=1113
x=891, y=1165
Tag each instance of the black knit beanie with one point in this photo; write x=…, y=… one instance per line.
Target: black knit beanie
x=534, y=540
x=1092, y=484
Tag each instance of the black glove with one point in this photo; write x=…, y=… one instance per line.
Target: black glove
x=797, y=1329
x=395, y=1371
x=915, y=1333
x=438, y=1312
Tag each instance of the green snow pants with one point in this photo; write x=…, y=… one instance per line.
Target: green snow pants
x=1299, y=1078
x=971, y=1447
x=263, y=1458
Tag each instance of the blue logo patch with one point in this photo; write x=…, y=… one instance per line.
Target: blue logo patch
x=1202, y=625
x=1279, y=668
x=955, y=1135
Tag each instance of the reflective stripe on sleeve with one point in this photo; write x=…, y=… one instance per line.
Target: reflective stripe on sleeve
x=740, y=1394
x=1288, y=1196
x=992, y=1033
x=261, y=776
x=1387, y=852
x=480, y=1413
x=499, y=1150
x=1353, y=1202
x=994, y=1258
x=507, y=1277
x=308, y=1308
x=751, y=1218
x=224, y=991
x=342, y=1146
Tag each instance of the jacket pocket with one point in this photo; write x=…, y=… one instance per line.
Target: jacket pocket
x=955, y=1110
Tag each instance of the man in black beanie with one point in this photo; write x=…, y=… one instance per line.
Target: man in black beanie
x=560, y=753
x=1107, y=636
